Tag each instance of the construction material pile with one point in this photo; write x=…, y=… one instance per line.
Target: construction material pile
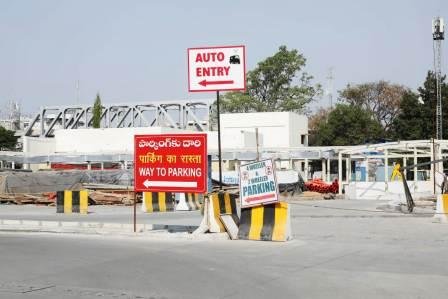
x=104, y=197
x=45, y=198
x=108, y=187
x=318, y=185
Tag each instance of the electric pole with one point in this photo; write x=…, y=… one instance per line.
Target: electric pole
x=438, y=33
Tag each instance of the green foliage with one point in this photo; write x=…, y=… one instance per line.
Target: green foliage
x=274, y=86
x=412, y=123
x=417, y=120
x=381, y=98
x=7, y=139
x=348, y=125
x=97, y=110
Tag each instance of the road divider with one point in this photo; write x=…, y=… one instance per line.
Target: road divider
x=442, y=208
x=189, y=201
x=216, y=204
x=271, y=222
x=158, y=202
x=69, y=201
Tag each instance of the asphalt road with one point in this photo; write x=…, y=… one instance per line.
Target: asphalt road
x=342, y=249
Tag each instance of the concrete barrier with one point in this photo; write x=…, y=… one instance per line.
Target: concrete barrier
x=158, y=202
x=221, y=203
x=68, y=201
x=216, y=204
x=266, y=223
x=442, y=208
x=189, y=201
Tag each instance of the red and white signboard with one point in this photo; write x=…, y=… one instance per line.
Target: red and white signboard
x=170, y=163
x=217, y=68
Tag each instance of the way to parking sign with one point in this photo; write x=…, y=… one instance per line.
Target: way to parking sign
x=217, y=68
x=170, y=163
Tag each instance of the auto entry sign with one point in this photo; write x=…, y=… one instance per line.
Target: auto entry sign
x=170, y=163
x=217, y=68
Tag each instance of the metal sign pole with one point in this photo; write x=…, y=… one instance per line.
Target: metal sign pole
x=219, y=140
x=135, y=211
x=134, y=190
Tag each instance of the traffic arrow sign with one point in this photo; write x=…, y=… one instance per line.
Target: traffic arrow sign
x=170, y=163
x=217, y=68
x=205, y=82
x=146, y=183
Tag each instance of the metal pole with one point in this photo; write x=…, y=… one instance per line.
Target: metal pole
x=135, y=211
x=433, y=166
x=219, y=140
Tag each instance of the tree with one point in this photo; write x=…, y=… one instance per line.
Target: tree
x=274, y=85
x=97, y=110
x=412, y=122
x=7, y=139
x=314, y=121
x=416, y=119
x=348, y=125
x=381, y=98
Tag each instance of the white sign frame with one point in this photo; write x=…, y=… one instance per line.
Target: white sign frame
x=217, y=68
x=258, y=177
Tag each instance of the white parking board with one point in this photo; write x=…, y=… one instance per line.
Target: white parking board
x=258, y=183
x=217, y=68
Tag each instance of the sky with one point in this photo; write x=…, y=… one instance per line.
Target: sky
x=136, y=51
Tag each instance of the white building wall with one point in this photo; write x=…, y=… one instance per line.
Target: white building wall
x=275, y=130
x=121, y=140
x=279, y=129
x=38, y=146
x=298, y=125
x=232, y=139
x=102, y=140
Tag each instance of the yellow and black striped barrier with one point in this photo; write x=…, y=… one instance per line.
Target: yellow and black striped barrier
x=68, y=201
x=442, y=207
x=266, y=223
x=189, y=201
x=221, y=203
x=158, y=202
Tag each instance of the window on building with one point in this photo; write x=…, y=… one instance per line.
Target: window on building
x=303, y=139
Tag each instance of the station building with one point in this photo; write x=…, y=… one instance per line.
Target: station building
x=62, y=137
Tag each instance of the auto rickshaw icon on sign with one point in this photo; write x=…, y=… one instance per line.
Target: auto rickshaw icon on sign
x=235, y=59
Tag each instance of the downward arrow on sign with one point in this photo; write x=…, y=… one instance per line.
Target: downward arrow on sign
x=205, y=82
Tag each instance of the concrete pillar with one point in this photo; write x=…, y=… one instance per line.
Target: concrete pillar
x=102, y=165
x=324, y=171
x=386, y=163
x=348, y=169
x=89, y=165
x=328, y=170
x=306, y=170
x=405, y=162
x=367, y=169
x=13, y=165
x=431, y=172
x=415, y=162
x=340, y=172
